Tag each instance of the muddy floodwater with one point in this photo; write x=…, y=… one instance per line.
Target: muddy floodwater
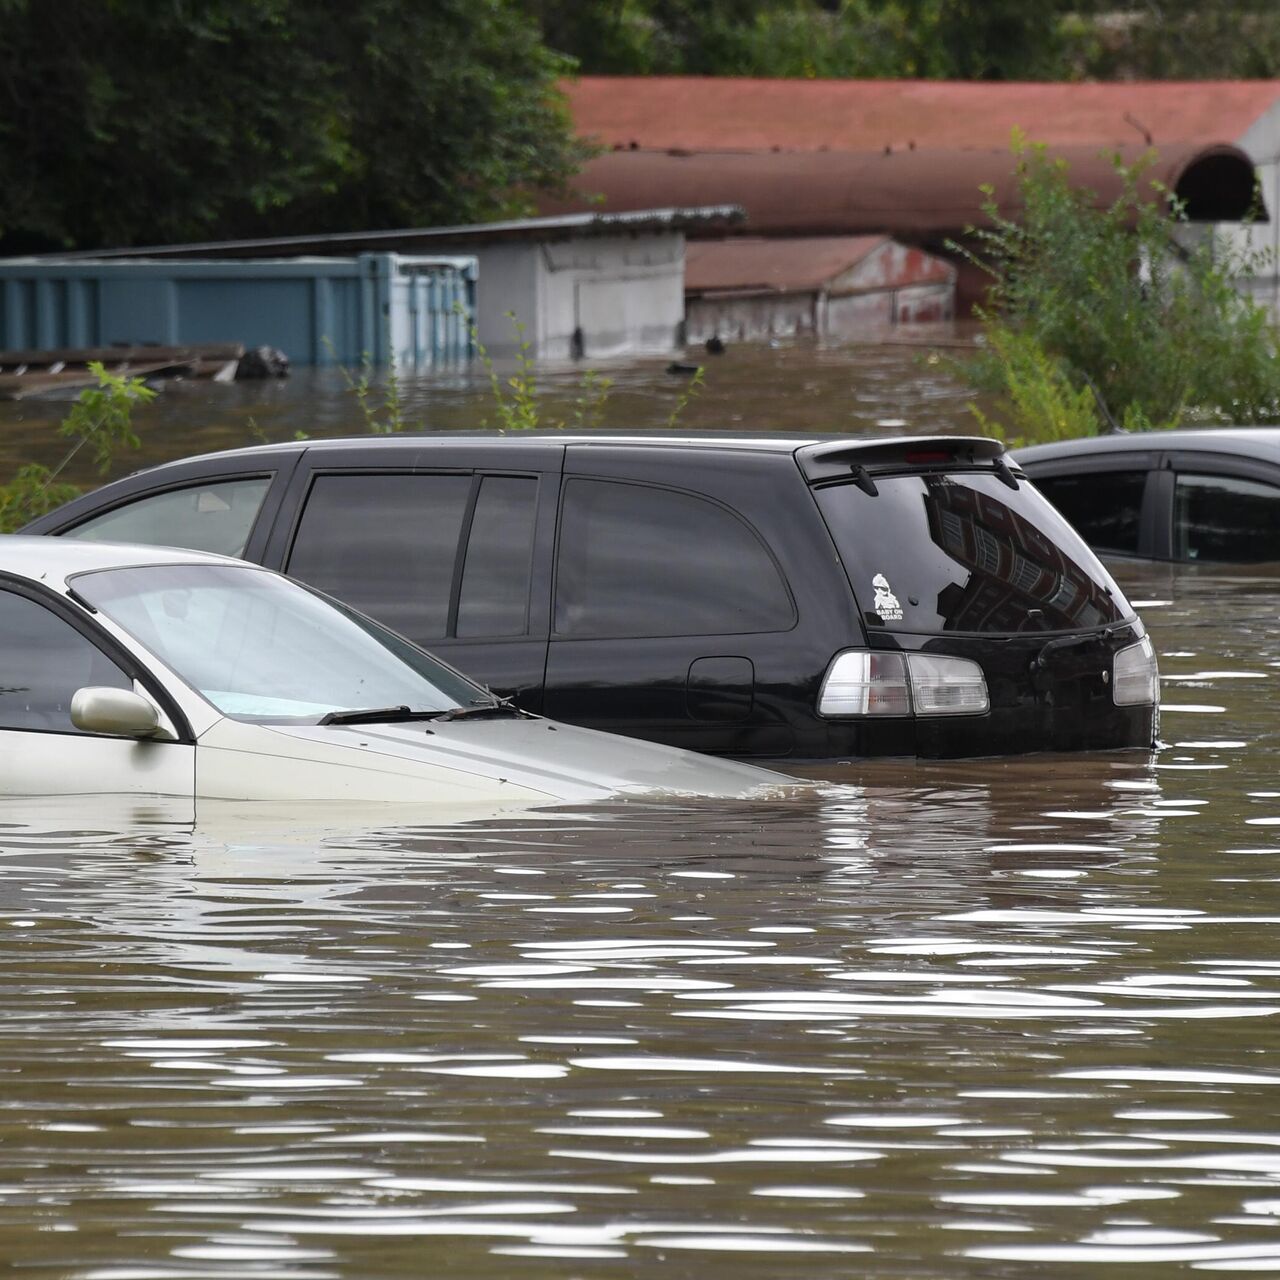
x=994, y=1018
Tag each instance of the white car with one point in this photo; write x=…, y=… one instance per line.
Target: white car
x=147, y=671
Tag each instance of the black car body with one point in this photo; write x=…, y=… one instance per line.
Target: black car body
x=1191, y=496
x=819, y=598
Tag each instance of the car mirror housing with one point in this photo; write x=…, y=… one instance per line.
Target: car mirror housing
x=98, y=709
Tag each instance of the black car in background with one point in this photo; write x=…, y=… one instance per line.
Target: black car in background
x=1194, y=496
x=826, y=597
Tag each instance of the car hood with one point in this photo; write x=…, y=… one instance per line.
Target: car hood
x=545, y=755
x=560, y=761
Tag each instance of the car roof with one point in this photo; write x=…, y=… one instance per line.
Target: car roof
x=54, y=560
x=546, y=441
x=1244, y=442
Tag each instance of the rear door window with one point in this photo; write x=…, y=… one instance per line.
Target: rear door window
x=964, y=552
x=639, y=560
x=494, y=596
x=216, y=516
x=1225, y=518
x=1104, y=506
x=386, y=544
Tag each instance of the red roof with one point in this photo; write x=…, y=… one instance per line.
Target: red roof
x=719, y=113
x=919, y=194
x=792, y=265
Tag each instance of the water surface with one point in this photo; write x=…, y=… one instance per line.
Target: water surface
x=985, y=1018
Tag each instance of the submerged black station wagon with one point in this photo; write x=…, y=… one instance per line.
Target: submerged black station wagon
x=810, y=598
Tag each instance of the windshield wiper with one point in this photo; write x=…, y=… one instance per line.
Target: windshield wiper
x=400, y=714
x=484, y=709
x=379, y=715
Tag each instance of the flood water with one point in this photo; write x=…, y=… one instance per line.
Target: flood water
x=983, y=1018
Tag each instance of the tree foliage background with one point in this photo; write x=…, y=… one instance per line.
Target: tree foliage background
x=126, y=122
x=948, y=39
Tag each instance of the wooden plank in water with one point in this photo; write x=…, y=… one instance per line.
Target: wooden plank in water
x=18, y=386
x=220, y=352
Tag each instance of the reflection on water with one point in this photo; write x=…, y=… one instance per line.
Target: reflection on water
x=950, y=1019
x=956, y=1019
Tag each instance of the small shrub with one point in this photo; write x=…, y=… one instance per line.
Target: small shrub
x=101, y=420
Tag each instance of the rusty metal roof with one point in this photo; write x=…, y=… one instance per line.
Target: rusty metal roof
x=642, y=218
x=799, y=265
x=723, y=113
x=922, y=193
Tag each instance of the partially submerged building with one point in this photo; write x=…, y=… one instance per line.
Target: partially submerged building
x=909, y=158
x=828, y=286
x=580, y=285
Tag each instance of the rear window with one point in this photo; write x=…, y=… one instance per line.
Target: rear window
x=964, y=552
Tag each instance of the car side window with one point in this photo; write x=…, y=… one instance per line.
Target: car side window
x=385, y=544
x=1104, y=506
x=494, y=597
x=637, y=560
x=43, y=661
x=206, y=517
x=1225, y=518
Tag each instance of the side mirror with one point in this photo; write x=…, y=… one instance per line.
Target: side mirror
x=119, y=711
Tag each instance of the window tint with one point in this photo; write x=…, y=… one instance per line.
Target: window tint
x=43, y=661
x=1104, y=506
x=932, y=553
x=385, y=544
x=207, y=517
x=642, y=561
x=1224, y=518
x=494, y=600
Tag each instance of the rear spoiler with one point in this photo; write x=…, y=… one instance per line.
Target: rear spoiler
x=836, y=459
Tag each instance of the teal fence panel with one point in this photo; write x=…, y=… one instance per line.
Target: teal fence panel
x=415, y=310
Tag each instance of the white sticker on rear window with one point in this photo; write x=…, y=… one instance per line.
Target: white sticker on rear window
x=886, y=603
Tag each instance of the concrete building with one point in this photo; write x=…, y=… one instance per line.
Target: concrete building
x=828, y=286
x=907, y=158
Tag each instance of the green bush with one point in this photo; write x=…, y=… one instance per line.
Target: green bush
x=1126, y=305
x=102, y=419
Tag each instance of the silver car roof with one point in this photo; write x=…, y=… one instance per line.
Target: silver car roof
x=53, y=560
x=1242, y=442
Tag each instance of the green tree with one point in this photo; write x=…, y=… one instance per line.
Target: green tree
x=977, y=39
x=1127, y=302
x=125, y=122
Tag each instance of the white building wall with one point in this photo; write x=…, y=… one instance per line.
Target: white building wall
x=611, y=296
x=1262, y=143
x=591, y=296
x=507, y=281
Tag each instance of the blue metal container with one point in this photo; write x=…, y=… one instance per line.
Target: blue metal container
x=415, y=310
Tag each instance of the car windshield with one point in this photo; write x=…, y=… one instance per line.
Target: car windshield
x=262, y=648
x=965, y=552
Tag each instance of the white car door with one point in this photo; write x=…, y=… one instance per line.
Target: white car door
x=44, y=659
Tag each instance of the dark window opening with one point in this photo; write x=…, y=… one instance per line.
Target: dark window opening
x=637, y=560
x=45, y=661
x=1225, y=519
x=385, y=544
x=1104, y=506
x=494, y=597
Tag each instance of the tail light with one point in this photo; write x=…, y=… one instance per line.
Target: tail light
x=862, y=682
x=1135, y=678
